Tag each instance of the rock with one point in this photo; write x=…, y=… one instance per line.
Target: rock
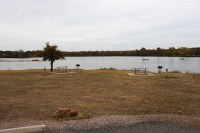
x=65, y=112
x=73, y=114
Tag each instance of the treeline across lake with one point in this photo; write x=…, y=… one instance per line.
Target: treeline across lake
x=170, y=52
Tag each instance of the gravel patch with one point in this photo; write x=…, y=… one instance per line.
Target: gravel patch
x=140, y=75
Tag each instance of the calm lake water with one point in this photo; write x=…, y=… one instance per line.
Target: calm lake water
x=188, y=64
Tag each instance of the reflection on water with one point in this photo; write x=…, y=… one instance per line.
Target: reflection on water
x=188, y=64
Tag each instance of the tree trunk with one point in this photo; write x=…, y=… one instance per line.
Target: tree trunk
x=51, y=66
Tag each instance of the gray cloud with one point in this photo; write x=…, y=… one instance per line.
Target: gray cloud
x=99, y=24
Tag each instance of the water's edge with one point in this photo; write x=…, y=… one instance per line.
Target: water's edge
x=185, y=64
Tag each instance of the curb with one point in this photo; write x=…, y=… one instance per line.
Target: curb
x=29, y=129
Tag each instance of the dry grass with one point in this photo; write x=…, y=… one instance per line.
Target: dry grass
x=32, y=94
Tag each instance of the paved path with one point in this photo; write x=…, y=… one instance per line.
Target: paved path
x=163, y=123
x=132, y=124
x=144, y=127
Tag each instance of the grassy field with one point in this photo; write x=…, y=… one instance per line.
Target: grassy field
x=32, y=94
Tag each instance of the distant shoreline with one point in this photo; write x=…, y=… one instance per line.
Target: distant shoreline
x=159, y=52
x=102, y=56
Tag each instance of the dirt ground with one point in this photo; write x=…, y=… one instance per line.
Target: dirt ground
x=35, y=95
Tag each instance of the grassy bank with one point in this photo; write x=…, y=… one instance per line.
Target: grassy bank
x=31, y=94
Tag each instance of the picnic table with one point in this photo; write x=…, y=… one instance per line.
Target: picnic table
x=140, y=71
x=61, y=69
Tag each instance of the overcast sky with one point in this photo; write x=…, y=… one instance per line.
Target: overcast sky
x=99, y=24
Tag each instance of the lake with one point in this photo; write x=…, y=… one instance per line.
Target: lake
x=187, y=64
